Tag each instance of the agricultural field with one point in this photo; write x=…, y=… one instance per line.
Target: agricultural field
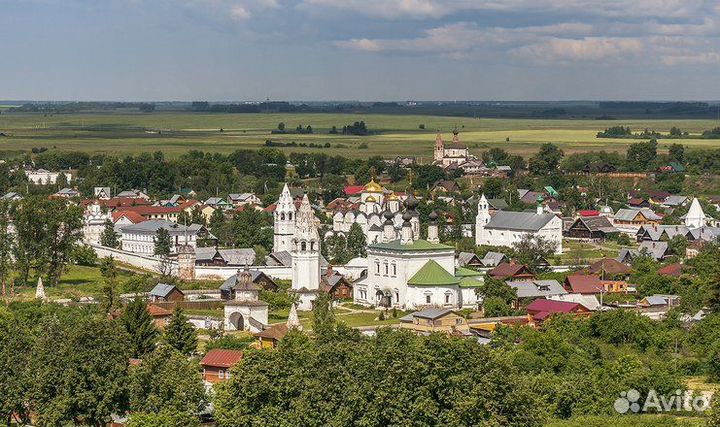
x=177, y=132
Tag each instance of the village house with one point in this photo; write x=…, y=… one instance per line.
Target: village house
x=590, y=228
x=161, y=317
x=529, y=290
x=217, y=364
x=511, y=271
x=632, y=219
x=541, y=309
x=243, y=199
x=245, y=312
x=163, y=292
x=435, y=320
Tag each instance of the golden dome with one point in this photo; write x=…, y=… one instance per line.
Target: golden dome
x=391, y=197
x=370, y=199
x=373, y=187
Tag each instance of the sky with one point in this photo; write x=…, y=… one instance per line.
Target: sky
x=367, y=50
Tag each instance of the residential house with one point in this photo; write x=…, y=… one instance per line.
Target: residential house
x=468, y=259
x=591, y=284
x=635, y=218
x=161, y=317
x=533, y=289
x=133, y=194
x=66, y=193
x=46, y=177
x=493, y=259
x=336, y=284
x=671, y=270
x=140, y=238
x=163, y=292
x=435, y=320
x=243, y=199
x=541, y=309
x=511, y=271
x=638, y=203
x=262, y=280
x=217, y=364
x=590, y=228
x=218, y=203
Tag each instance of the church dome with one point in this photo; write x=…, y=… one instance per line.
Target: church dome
x=407, y=216
x=370, y=199
x=373, y=187
x=411, y=202
x=433, y=216
x=391, y=197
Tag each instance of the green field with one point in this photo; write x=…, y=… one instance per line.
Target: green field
x=177, y=132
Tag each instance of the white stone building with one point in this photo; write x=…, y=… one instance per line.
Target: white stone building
x=246, y=312
x=94, y=218
x=305, y=253
x=46, y=177
x=283, y=221
x=411, y=273
x=504, y=228
x=140, y=238
x=453, y=154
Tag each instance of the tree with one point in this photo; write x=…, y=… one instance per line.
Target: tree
x=546, y=161
x=15, y=354
x=167, y=380
x=323, y=316
x=110, y=299
x=109, y=237
x=676, y=152
x=497, y=296
x=641, y=156
x=678, y=245
x=139, y=324
x=180, y=334
x=534, y=251
x=281, y=126
x=492, y=188
x=356, y=241
x=163, y=419
x=7, y=243
x=80, y=370
x=163, y=242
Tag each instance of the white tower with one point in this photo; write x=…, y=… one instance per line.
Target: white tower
x=482, y=218
x=284, y=221
x=695, y=217
x=305, y=251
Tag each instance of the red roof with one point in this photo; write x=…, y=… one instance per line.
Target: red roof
x=116, y=202
x=609, y=265
x=354, y=189
x=156, y=311
x=589, y=212
x=636, y=201
x=509, y=269
x=584, y=284
x=134, y=217
x=674, y=270
x=221, y=358
x=150, y=210
x=541, y=309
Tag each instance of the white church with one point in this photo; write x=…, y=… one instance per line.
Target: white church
x=411, y=273
x=504, y=228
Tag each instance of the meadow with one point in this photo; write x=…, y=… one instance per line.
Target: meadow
x=174, y=133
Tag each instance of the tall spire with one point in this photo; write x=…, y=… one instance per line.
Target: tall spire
x=306, y=225
x=695, y=217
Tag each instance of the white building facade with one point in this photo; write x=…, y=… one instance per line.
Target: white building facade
x=284, y=221
x=305, y=253
x=94, y=219
x=140, y=238
x=508, y=228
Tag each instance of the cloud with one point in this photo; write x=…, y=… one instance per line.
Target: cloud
x=387, y=9
x=240, y=13
x=579, y=50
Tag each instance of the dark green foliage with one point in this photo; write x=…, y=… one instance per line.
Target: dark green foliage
x=138, y=323
x=163, y=242
x=180, y=334
x=109, y=237
x=546, y=161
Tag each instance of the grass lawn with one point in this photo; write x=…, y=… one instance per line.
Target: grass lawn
x=574, y=251
x=177, y=132
x=645, y=420
x=76, y=282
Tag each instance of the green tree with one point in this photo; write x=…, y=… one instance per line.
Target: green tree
x=7, y=244
x=546, y=161
x=167, y=380
x=163, y=242
x=140, y=326
x=676, y=152
x=323, y=316
x=356, y=241
x=79, y=371
x=180, y=334
x=110, y=298
x=641, y=156
x=109, y=237
x=163, y=419
x=15, y=355
x=497, y=296
x=534, y=251
x=678, y=245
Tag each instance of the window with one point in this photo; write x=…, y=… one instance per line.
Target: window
x=397, y=297
x=394, y=269
x=303, y=246
x=427, y=299
x=377, y=267
x=221, y=374
x=447, y=298
x=386, y=268
x=458, y=321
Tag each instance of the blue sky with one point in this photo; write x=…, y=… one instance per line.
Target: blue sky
x=231, y=50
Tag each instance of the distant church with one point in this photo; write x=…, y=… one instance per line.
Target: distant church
x=453, y=154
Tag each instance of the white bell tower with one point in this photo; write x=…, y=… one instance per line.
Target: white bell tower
x=482, y=218
x=284, y=221
x=305, y=251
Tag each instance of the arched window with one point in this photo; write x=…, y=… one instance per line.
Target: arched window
x=394, y=269
x=303, y=246
x=282, y=216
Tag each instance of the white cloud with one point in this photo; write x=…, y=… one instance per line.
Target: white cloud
x=240, y=13
x=579, y=50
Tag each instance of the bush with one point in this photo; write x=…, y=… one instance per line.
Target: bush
x=84, y=255
x=363, y=146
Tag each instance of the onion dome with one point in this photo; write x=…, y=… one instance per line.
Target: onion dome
x=407, y=216
x=391, y=197
x=433, y=216
x=370, y=199
x=411, y=202
x=373, y=187
x=388, y=215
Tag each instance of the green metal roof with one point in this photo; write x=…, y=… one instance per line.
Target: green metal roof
x=470, y=282
x=432, y=274
x=417, y=245
x=466, y=272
